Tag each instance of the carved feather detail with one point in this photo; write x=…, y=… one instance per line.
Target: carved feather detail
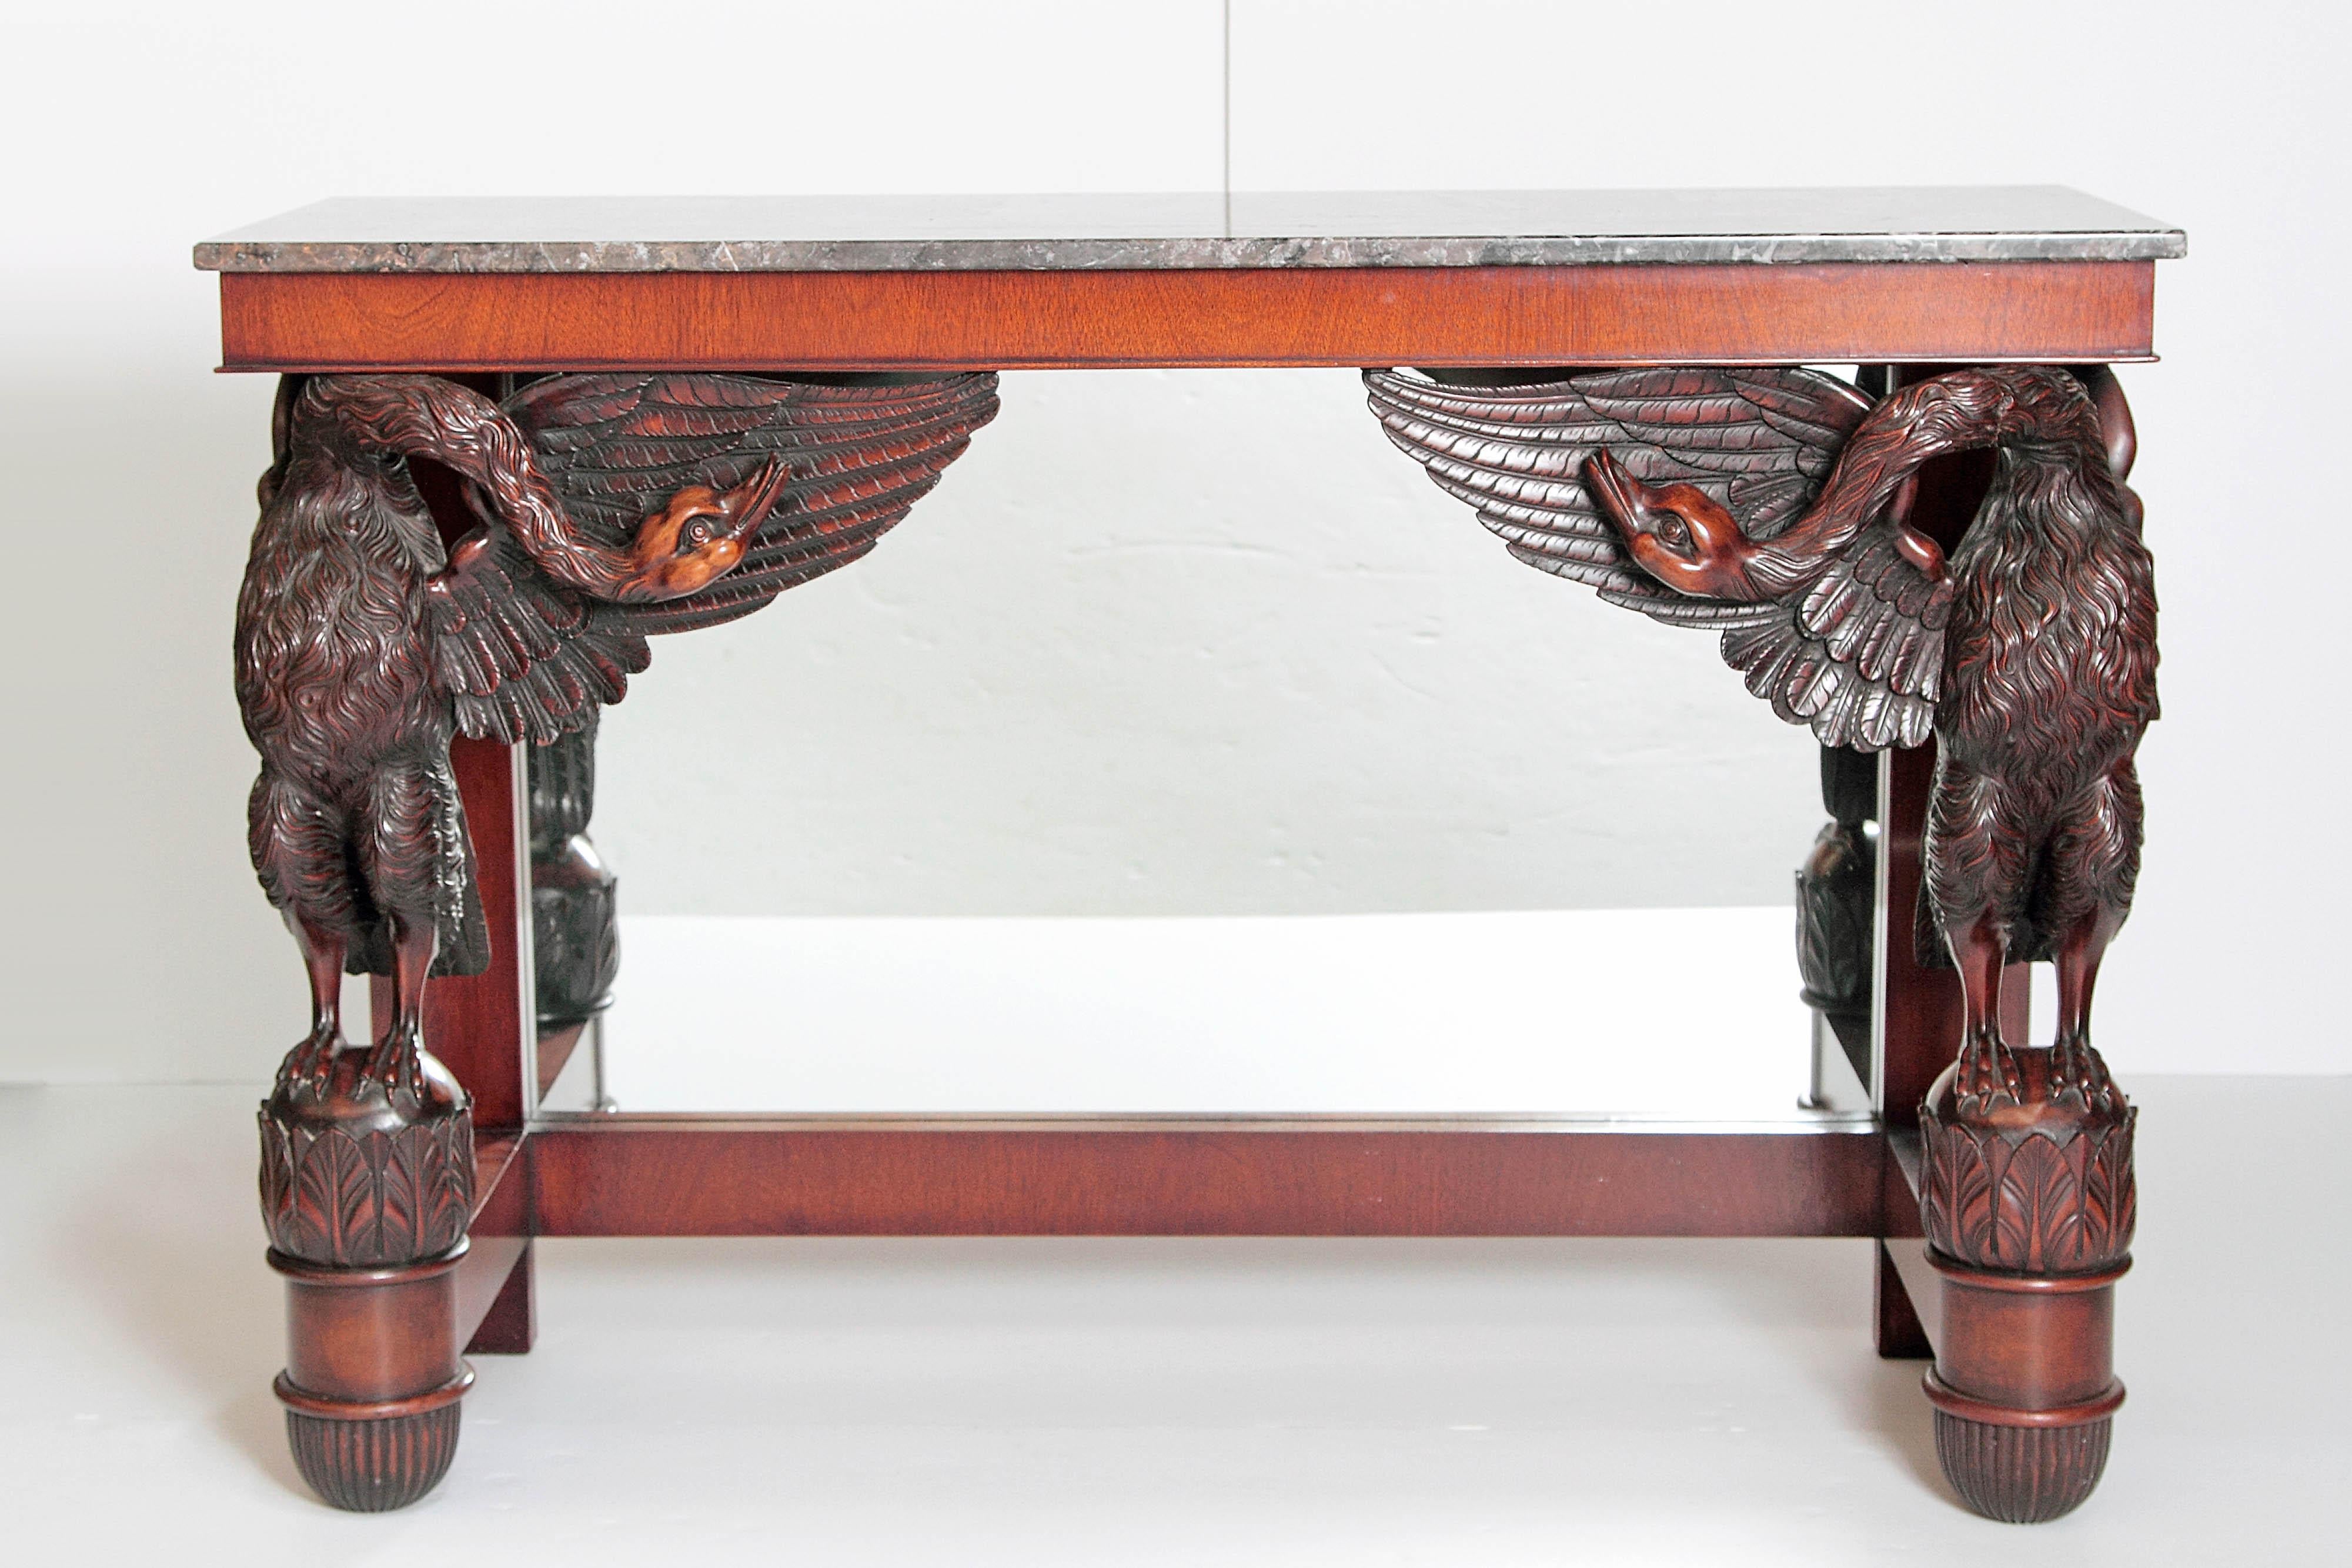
x=523, y=658
x=527, y=658
x=609, y=509
x=859, y=457
x=1855, y=650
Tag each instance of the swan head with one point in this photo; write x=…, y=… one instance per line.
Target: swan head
x=700, y=535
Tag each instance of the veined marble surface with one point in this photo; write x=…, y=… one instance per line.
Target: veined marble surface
x=1070, y=233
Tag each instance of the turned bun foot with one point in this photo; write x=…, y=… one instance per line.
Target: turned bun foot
x=2021, y=1475
x=372, y=1379
x=372, y=1466
x=2028, y=1206
x=367, y=1185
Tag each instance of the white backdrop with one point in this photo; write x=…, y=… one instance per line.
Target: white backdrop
x=1162, y=643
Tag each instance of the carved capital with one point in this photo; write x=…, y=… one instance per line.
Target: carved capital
x=2043, y=1185
x=353, y=1175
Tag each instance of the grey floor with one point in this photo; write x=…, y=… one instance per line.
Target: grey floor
x=1113, y=1402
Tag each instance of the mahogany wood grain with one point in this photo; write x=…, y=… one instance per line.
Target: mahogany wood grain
x=475, y=1023
x=1904, y=1173
x=1921, y=1285
x=1900, y=1333
x=1978, y=311
x=1906, y=1164
x=482, y=1278
x=2027, y=1345
x=499, y=1245
x=657, y=1176
x=1922, y=1005
x=501, y=1187
x=509, y=1325
x=364, y=1336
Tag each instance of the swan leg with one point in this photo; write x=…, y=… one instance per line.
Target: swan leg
x=1989, y=1072
x=322, y=955
x=414, y=838
x=1976, y=865
x=394, y=1062
x=296, y=839
x=2095, y=862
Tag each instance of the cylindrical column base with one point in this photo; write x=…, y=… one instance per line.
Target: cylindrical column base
x=372, y=1379
x=2024, y=1388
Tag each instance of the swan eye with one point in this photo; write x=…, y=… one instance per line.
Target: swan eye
x=696, y=534
x=1675, y=533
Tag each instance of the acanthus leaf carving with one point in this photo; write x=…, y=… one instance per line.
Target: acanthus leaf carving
x=2044, y=1187
x=353, y=1175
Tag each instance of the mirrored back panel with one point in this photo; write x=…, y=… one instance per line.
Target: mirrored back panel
x=1686, y=1014
x=943, y=833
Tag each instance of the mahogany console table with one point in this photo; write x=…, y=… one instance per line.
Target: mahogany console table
x=515, y=438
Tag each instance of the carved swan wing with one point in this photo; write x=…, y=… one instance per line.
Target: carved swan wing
x=522, y=657
x=527, y=657
x=1848, y=639
x=857, y=457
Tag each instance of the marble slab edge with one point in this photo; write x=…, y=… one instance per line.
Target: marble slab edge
x=1174, y=254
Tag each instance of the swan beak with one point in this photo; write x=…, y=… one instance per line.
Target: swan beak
x=1621, y=496
x=747, y=506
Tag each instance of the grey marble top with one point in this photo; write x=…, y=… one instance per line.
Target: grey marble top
x=948, y=233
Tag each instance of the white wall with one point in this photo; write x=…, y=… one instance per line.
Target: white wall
x=1162, y=643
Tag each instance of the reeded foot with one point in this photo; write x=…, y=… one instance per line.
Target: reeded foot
x=2027, y=1208
x=372, y=1466
x=2021, y=1475
x=1989, y=1078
